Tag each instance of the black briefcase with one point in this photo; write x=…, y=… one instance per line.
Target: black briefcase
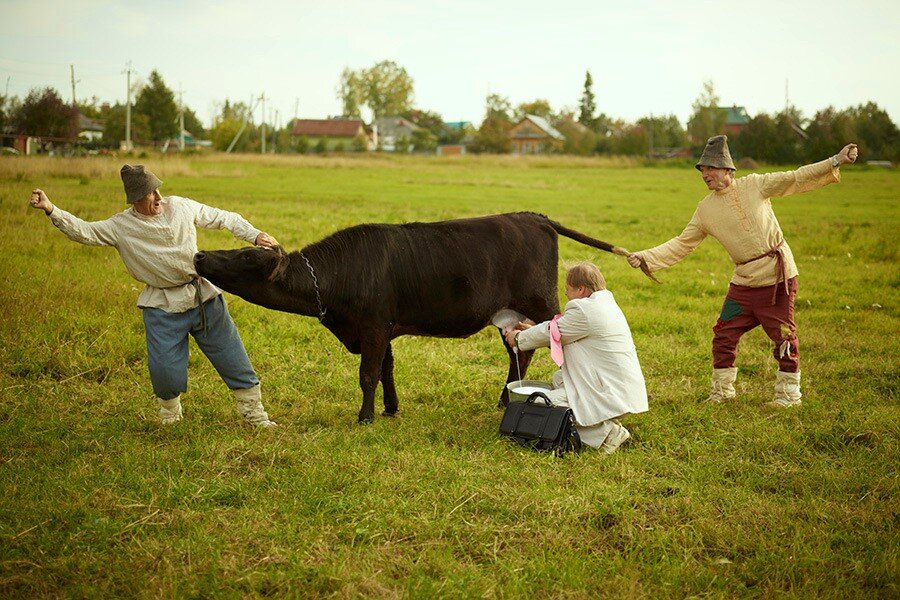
x=539, y=425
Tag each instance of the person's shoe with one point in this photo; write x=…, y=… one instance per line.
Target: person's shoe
x=169, y=410
x=722, y=385
x=787, y=390
x=618, y=436
x=249, y=404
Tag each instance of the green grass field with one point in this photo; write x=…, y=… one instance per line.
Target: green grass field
x=734, y=500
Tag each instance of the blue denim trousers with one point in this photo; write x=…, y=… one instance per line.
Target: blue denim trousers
x=167, y=347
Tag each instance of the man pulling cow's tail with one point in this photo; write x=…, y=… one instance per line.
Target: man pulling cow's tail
x=157, y=240
x=738, y=213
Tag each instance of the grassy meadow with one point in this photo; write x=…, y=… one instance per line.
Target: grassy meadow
x=732, y=500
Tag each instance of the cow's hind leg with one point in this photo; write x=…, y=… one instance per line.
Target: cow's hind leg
x=523, y=357
x=373, y=347
x=387, y=383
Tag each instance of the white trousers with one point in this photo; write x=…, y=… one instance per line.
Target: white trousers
x=591, y=435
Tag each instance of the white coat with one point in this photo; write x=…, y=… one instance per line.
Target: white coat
x=601, y=373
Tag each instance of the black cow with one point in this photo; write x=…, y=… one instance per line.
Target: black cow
x=371, y=283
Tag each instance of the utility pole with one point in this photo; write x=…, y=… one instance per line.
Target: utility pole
x=180, y=118
x=128, y=71
x=262, y=98
x=275, y=130
x=787, y=102
x=72, y=72
x=237, y=136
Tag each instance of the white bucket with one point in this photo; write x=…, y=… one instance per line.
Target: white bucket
x=520, y=390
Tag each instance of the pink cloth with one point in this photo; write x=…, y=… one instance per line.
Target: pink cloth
x=556, y=349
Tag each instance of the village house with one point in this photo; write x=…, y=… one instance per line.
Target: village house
x=736, y=118
x=333, y=134
x=534, y=135
x=394, y=134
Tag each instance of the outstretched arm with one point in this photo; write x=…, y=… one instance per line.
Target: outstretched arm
x=209, y=217
x=807, y=178
x=97, y=233
x=669, y=253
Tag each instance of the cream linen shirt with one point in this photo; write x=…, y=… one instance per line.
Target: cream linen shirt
x=741, y=218
x=159, y=250
x=601, y=372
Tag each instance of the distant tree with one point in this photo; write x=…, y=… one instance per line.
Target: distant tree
x=90, y=108
x=708, y=119
x=632, y=139
x=538, y=108
x=300, y=144
x=664, y=132
x=228, y=123
x=4, y=108
x=114, y=126
x=877, y=134
x=829, y=129
x=44, y=113
x=192, y=123
x=588, y=104
x=787, y=147
x=431, y=121
x=580, y=139
x=757, y=138
x=493, y=135
x=423, y=140
x=385, y=88
x=157, y=103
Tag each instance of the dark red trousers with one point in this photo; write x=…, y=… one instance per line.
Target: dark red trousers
x=745, y=308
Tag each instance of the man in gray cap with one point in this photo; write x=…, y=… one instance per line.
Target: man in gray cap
x=157, y=239
x=738, y=213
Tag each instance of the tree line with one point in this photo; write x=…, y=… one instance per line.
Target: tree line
x=387, y=89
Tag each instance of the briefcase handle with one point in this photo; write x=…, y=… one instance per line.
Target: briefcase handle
x=530, y=399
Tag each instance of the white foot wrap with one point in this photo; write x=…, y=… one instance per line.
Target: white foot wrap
x=169, y=410
x=250, y=406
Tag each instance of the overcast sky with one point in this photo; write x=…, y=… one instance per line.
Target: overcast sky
x=646, y=57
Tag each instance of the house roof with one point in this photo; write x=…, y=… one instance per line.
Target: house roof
x=327, y=127
x=393, y=125
x=542, y=124
x=460, y=125
x=88, y=124
x=736, y=115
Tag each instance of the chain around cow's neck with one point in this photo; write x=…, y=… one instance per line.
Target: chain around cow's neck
x=316, y=285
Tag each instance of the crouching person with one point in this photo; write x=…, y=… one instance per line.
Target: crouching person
x=600, y=377
x=157, y=239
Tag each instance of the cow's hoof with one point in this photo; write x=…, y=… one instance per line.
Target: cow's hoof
x=390, y=414
x=366, y=419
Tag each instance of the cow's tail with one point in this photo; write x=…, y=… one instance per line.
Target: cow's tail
x=595, y=243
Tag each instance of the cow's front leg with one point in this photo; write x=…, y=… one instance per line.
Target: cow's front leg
x=387, y=383
x=373, y=348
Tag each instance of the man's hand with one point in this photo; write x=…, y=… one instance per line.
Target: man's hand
x=515, y=329
x=40, y=200
x=265, y=240
x=848, y=154
x=634, y=259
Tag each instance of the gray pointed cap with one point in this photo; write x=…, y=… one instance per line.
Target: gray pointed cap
x=138, y=182
x=716, y=154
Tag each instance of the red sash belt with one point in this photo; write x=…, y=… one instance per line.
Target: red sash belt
x=780, y=267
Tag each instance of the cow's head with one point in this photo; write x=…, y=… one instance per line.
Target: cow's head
x=251, y=273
